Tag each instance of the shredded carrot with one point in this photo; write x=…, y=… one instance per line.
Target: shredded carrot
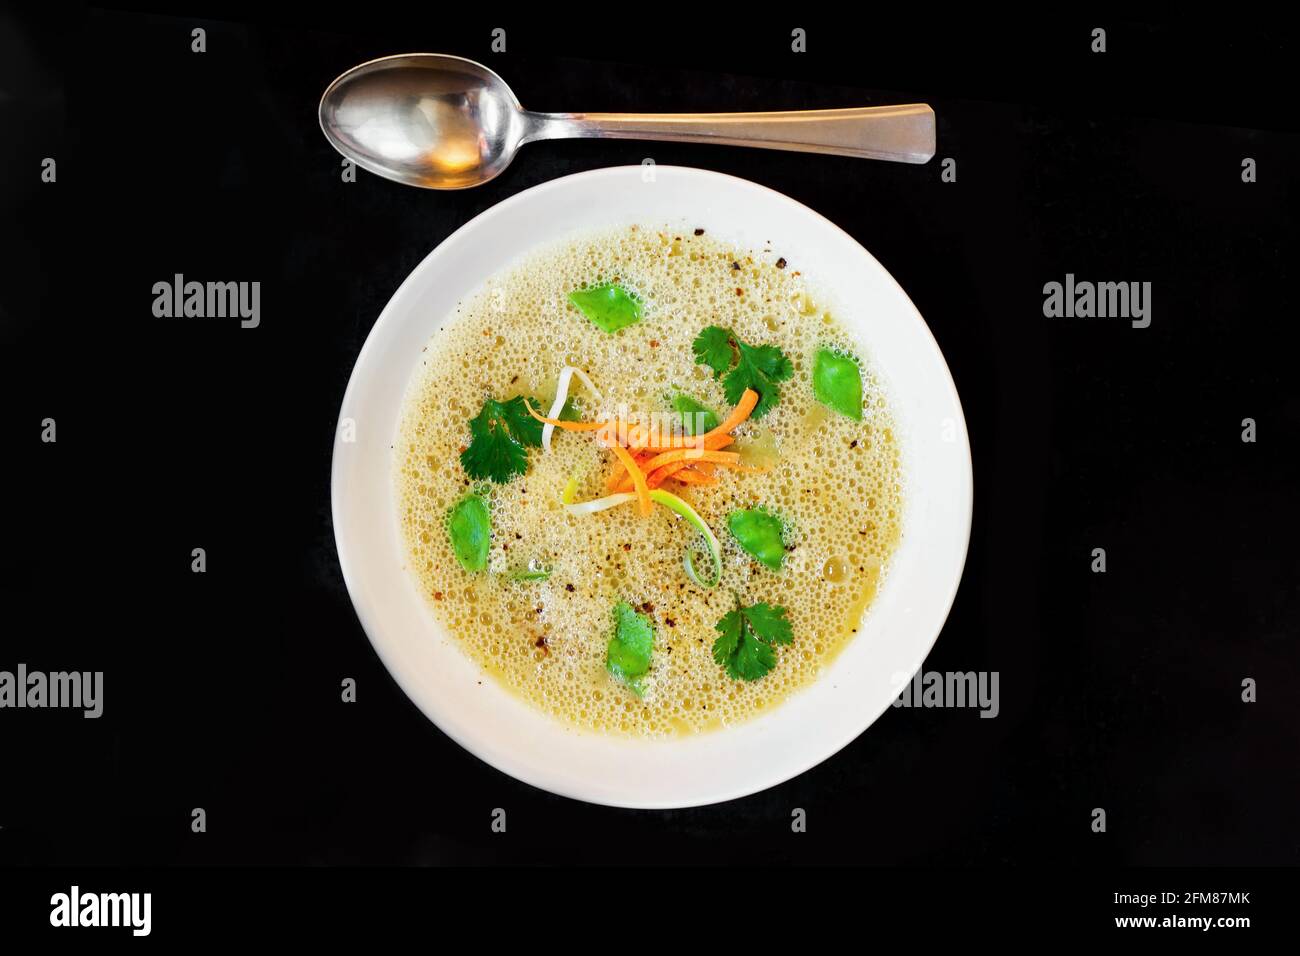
x=637, y=476
x=705, y=443
x=689, y=476
x=690, y=454
x=616, y=478
x=657, y=468
x=680, y=471
x=738, y=414
x=657, y=476
x=675, y=470
x=567, y=426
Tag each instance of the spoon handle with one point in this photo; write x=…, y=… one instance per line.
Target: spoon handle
x=903, y=134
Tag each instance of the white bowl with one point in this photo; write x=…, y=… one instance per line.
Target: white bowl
x=900, y=626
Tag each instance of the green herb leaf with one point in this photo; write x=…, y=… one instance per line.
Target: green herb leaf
x=628, y=657
x=713, y=348
x=499, y=437
x=759, y=367
x=746, y=636
x=759, y=533
x=837, y=383
x=469, y=526
x=769, y=623
x=694, y=413
x=610, y=307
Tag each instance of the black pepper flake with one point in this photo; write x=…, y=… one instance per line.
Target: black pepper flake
x=854, y=443
x=514, y=379
x=780, y=263
x=699, y=232
x=671, y=623
x=627, y=547
x=569, y=587
x=735, y=266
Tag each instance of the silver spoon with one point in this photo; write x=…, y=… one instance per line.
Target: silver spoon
x=444, y=122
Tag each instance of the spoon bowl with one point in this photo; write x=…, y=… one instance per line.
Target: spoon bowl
x=441, y=122
x=445, y=122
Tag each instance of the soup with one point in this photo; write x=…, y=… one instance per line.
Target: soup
x=606, y=603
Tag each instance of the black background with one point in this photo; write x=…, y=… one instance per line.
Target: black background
x=222, y=690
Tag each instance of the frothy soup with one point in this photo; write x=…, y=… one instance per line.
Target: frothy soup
x=586, y=608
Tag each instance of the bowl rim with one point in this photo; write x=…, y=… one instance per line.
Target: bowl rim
x=366, y=615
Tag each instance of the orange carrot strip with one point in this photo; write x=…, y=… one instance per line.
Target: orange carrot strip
x=707, y=444
x=690, y=454
x=680, y=471
x=738, y=414
x=684, y=457
x=567, y=426
x=639, y=436
x=689, y=476
x=656, y=478
x=636, y=475
x=617, y=476
x=657, y=475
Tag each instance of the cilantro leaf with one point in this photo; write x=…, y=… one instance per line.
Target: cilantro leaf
x=769, y=623
x=500, y=435
x=759, y=367
x=628, y=655
x=746, y=636
x=752, y=660
x=729, y=629
x=712, y=347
